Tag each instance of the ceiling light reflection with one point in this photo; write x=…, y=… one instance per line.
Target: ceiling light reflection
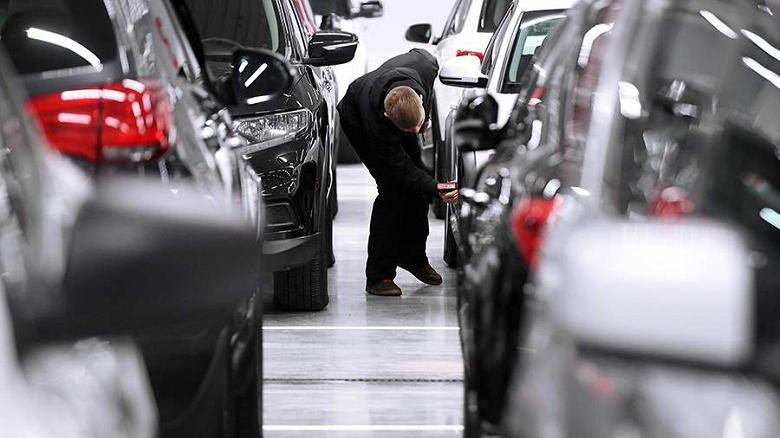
x=64, y=42
x=719, y=25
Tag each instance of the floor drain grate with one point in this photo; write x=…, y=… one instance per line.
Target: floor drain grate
x=371, y=380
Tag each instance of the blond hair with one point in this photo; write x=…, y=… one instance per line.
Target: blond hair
x=402, y=106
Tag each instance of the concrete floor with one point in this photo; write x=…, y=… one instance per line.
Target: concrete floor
x=366, y=366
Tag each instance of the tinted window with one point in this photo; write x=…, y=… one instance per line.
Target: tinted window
x=46, y=35
x=534, y=28
x=492, y=13
x=226, y=24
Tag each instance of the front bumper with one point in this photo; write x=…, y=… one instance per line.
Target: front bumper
x=279, y=255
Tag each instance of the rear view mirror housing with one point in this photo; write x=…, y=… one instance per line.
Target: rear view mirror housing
x=463, y=72
x=331, y=48
x=475, y=125
x=371, y=9
x=260, y=75
x=419, y=33
x=142, y=258
x=681, y=291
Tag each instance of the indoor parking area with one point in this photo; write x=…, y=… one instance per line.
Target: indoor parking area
x=390, y=218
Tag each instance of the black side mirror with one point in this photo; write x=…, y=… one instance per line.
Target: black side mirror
x=260, y=75
x=331, y=48
x=330, y=22
x=371, y=9
x=475, y=124
x=419, y=33
x=142, y=258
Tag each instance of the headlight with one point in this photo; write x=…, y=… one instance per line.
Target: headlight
x=266, y=131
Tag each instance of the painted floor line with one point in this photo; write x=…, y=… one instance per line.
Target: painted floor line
x=378, y=328
x=366, y=428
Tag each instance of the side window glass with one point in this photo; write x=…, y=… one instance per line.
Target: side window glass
x=459, y=19
x=491, y=14
x=533, y=30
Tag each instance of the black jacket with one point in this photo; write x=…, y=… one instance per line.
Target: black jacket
x=364, y=104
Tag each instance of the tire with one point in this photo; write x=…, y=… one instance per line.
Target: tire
x=329, y=239
x=249, y=404
x=305, y=288
x=450, y=246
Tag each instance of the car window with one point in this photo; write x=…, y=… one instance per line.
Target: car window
x=47, y=35
x=491, y=52
x=492, y=13
x=534, y=28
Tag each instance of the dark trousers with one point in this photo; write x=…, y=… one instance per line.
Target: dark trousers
x=399, y=219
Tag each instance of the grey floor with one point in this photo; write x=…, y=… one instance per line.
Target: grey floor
x=366, y=366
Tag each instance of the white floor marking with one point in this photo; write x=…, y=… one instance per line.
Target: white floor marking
x=366, y=428
x=387, y=328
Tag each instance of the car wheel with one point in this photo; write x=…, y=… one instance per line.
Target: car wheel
x=249, y=404
x=305, y=288
x=450, y=247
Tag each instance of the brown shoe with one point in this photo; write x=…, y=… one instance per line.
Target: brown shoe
x=384, y=288
x=426, y=274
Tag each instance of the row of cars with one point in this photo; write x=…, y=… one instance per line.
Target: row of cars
x=618, y=251
x=189, y=148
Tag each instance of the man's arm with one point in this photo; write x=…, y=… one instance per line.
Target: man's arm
x=398, y=165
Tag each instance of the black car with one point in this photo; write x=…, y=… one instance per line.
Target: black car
x=80, y=260
x=291, y=138
x=676, y=109
x=120, y=88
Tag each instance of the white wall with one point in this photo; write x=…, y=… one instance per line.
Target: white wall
x=384, y=36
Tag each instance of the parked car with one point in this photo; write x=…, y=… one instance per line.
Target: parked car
x=467, y=31
x=611, y=151
x=508, y=55
x=84, y=266
x=290, y=138
x=123, y=79
x=347, y=16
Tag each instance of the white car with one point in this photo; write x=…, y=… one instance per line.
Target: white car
x=507, y=56
x=467, y=31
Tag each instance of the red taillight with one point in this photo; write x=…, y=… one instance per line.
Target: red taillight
x=126, y=122
x=670, y=203
x=529, y=220
x=479, y=55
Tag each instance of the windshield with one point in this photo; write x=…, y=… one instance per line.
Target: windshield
x=492, y=13
x=229, y=24
x=534, y=28
x=46, y=35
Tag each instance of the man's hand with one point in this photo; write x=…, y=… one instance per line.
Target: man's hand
x=449, y=197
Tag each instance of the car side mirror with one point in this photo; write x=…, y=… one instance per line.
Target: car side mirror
x=260, y=75
x=419, y=33
x=464, y=72
x=475, y=126
x=371, y=9
x=330, y=22
x=680, y=291
x=331, y=48
x=143, y=258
